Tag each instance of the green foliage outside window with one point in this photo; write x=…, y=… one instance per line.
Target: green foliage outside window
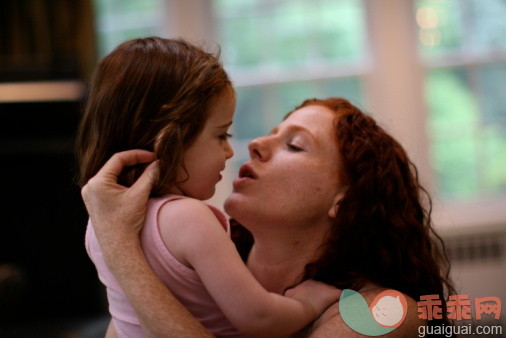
x=288, y=37
x=120, y=20
x=289, y=33
x=467, y=118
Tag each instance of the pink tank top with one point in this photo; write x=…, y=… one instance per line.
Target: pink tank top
x=183, y=282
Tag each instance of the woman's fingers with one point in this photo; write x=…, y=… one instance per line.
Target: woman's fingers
x=106, y=200
x=118, y=212
x=107, y=177
x=113, y=167
x=144, y=184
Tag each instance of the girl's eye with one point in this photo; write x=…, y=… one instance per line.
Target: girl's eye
x=225, y=136
x=293, y=147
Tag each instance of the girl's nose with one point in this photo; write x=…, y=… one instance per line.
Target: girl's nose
x=229, y=151
x=259, y=148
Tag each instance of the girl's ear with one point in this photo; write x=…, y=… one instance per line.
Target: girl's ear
x=333, y=209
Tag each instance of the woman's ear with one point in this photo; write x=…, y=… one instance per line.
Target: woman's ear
x=333, y=209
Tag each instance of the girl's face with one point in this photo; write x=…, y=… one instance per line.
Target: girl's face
x=293, y=176
x=206, y=157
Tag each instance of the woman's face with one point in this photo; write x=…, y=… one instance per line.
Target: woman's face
x=293, y=176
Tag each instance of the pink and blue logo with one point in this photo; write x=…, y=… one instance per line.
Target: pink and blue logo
x=386, y=313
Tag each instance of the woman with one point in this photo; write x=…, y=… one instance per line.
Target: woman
x=327, y=195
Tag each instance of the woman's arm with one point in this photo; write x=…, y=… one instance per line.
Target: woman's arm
x=111, y=331
x=117, y=214
x=193, y=234
x=160, y=314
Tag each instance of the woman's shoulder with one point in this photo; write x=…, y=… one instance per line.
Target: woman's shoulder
x=331, y=322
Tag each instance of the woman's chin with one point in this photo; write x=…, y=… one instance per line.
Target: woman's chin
x=233, y=203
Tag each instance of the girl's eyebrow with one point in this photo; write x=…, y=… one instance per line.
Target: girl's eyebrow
x=226, y=125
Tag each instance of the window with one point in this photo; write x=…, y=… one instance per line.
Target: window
x=447, y=108
x=282, y=52
x=120, y=20
x=465, y=52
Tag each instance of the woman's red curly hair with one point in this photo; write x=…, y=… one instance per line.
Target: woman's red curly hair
x=383, y=232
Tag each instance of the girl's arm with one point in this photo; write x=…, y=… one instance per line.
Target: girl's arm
x=117, y=215
x=193, y=234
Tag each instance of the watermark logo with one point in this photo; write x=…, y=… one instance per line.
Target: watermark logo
x=386, y=313
x=458, y=307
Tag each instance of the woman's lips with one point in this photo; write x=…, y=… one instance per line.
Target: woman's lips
x=247, y=171
x=246, y=174
x=240, y=180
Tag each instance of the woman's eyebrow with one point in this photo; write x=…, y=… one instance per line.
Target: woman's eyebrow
x=305, y=131
x=273, y=131
x=297, y=128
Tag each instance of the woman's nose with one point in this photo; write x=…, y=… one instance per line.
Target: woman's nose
x=259, y=148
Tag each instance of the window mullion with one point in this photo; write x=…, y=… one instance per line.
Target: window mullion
x=200, y=29
x=394, y=85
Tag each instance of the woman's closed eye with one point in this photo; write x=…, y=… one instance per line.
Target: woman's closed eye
x=293, y=147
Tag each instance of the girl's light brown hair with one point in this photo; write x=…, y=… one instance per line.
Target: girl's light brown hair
x=153, y=94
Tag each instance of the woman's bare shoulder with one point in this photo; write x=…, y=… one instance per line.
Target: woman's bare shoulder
x=331, y=324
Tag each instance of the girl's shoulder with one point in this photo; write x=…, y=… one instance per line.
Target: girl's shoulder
x=182, y=209
x=331, y=322
x=184, y=222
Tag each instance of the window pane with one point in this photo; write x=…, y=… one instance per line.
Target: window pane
x=117, y=21
x=447, y=25
x=349, y=88
x=288, y=33
x=468, y=130
x=286, y=51
x=491, y=89
x=292, y=94
x=440, y=25
x=466, y=97
x=249, y=113
x=261, y=108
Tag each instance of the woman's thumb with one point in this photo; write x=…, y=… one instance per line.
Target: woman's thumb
x=145, y=182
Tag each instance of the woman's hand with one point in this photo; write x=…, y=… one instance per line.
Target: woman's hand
x=317, y=294
x=117, y=212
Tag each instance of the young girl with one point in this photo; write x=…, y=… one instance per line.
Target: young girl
x=175, y=99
